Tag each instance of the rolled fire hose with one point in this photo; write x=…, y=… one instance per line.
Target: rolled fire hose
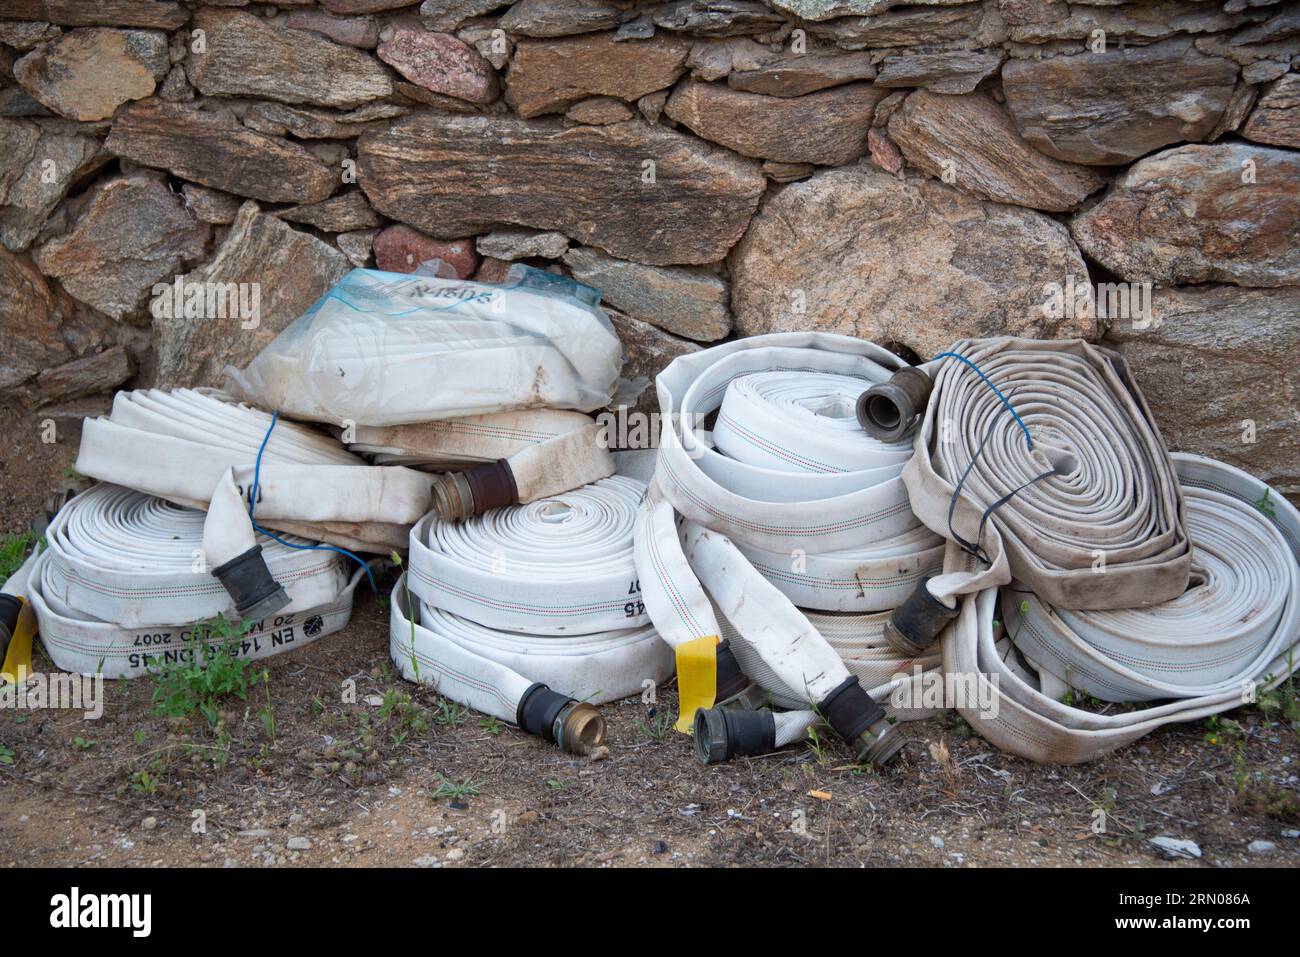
x=531, y=613
x=1232, y=633
x=310, y=485
x=786, y=500
x=1043, y=462
x=122, y=583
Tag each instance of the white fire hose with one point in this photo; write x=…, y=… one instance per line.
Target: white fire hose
x=123, y=583
x=531, y=613
x=1232, y=633
x=1041, y=460
x=216, y=451
x=787, y=501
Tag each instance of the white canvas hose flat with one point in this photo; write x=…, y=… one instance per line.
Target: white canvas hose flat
x=1044, y=459
x=528, y=595
x=792, y=483
x=179, y=445
x=370, y=349
x=122, y=582
x=450, y=444
x=1193, y=652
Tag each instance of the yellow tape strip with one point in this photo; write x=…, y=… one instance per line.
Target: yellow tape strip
x=18, y=659
x=697, y=679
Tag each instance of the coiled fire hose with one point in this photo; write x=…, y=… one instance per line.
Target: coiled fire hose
x=787, y=501
x=307, y=484
x=1040, y=461
x=1231, y=634
x=531, y=613
x=123, y=583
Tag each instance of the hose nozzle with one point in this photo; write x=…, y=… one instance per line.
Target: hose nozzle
x=250, y=585
x=579, y=729
x=574, y=726
x=722, y=733
x=458, y=496
x=878, y=744
x=916, y=623
x=888, y=411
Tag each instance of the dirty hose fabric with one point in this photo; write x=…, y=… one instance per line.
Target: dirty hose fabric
x=785, y=504
x=1229, y=635
x=1083, y=477
x=122, y=582
x=544, y=592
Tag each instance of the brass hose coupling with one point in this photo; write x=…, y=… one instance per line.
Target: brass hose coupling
x=458, y=496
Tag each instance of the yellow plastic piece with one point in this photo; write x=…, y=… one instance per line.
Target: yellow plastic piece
x=697, y=679
x=18, y=659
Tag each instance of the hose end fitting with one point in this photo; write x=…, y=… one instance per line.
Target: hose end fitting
x=249, y=583
x=579, y=729
x=878, y=745
x=722, y=733
x=574, y=726
x=888, y=411
x=458, y=496
x=916, y=623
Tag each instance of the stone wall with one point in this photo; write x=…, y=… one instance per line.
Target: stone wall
x=909, y=174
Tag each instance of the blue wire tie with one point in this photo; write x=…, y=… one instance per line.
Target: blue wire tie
x=257, y=474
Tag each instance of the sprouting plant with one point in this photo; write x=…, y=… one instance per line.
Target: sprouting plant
x=660, y=723
x=182, y=689
x=1265, y=504
x=13, y=549
x=415, y=664
x=447, y=788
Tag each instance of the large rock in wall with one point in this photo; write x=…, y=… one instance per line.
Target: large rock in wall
x=633, y=190
x=1218, y=366
x=911, y=262
x=909, y=172
x=1223, y=213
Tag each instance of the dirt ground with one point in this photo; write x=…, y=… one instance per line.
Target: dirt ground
x=359, y=784
x=427, y=784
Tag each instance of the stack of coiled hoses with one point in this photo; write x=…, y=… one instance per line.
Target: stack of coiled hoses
x=782, y=515
x=123, y=585
x=1233, y=633
x=1126, y=574
x=528, y=611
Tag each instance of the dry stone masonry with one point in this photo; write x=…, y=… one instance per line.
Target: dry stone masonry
x=1122, y=170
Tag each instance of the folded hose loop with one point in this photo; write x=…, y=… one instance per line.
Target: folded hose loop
x=123, y=582
x=1232, y=632
x=540, y=593
x=1088, y=515
x=785, y=504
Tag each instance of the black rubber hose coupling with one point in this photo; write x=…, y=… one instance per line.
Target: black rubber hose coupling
x=10, y=608
x=458, y=496
x=916, y=623
x=888, y=411
x=858, y=719
x=573, y=726
x=722, y=733
x=250, y=585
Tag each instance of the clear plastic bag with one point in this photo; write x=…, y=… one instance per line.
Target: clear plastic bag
x=384, y=348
